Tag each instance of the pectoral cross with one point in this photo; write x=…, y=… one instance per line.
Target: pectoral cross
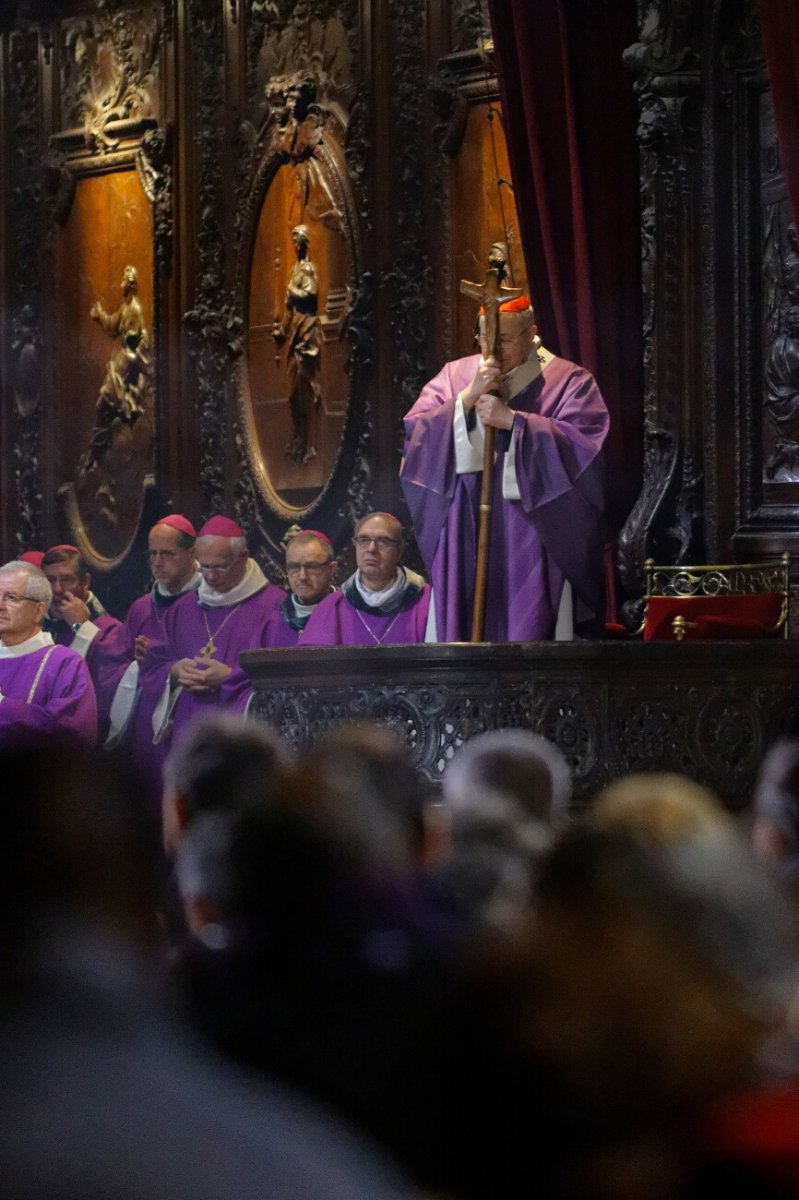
x=209, y=649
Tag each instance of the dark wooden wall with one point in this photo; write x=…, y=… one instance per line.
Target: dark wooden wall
x=721, y=443
x=187, y=138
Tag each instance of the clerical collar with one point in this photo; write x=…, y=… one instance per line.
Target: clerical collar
x=295, y=614
x=254, y=581
x=165, y=598
x=385, y=595
x=404, y=591
x=522, y=376
x=37, y=642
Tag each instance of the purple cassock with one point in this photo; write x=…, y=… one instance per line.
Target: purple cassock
x=46, y=688
x=146, y=619
x=343, y=619
x=189, y=626
x=284, y=627
x=102, y=643
x=552, y=532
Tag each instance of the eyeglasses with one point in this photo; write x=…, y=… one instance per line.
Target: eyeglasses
x=381, y=541
x=217, y=570
x=311, y=568
x=13, y=599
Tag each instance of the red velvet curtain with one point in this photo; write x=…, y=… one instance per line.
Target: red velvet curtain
x=779, y=21
x=570, y=117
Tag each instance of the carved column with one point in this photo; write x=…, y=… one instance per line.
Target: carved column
x=665, y=521
x=213, y=326
x=24, y=429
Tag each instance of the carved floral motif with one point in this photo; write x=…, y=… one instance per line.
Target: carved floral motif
x=24, y=148
x=109, y=70
x=154, y=164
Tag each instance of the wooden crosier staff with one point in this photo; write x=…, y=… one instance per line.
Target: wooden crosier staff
x=490, y=294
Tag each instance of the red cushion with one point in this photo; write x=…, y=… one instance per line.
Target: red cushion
x=713, y=616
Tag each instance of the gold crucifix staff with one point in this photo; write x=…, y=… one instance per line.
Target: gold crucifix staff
x=490, y=294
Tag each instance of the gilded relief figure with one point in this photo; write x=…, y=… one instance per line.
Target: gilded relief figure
x=302, y=329
x=128, y=377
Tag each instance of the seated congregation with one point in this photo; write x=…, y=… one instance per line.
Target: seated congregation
x=331, y=981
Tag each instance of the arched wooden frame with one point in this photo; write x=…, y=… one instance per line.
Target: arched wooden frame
x=329, y=158
x=129, y=168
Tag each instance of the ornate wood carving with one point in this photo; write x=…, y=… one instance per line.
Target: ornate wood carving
x=721, y=304
x=108, y=96
x=666, y=67
x=25, y=342
x=214, y=324
x=410, y=282
x=306, y=114
x=611, y=708
x=470, y=23
x=154, y=164
x=109, y=72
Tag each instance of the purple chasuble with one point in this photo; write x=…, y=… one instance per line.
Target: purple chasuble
x=146, y=618
x=60, y=699
x=337, y=623
x=187, y=628
x=107, y=657
x=554, y=532
x=278, y=631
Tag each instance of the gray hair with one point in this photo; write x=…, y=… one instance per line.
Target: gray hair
x=37, y=585
x=513, y=773
x=237, y=544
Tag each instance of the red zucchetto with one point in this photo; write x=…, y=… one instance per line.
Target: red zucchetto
x=178, y=521
x=221, y=527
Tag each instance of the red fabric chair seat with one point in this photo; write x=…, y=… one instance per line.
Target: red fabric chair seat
x=751, y=616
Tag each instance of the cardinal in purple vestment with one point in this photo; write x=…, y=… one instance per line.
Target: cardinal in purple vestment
x=44, y=688
x=383, y=603
x=547, y=504
x=195, y=668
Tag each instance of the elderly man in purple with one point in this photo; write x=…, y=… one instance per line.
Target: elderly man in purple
x=547, y=503
x=44, y=688
x=195, y=669
x=382, y=603
x=310, y=569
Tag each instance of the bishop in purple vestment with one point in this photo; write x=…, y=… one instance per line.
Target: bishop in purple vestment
x=44, y=688
x=310, y=570
x=173, y=563
x=547, y=505
x=195, y=668
x=383, y=603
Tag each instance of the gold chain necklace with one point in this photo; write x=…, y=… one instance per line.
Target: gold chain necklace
x=210, y=647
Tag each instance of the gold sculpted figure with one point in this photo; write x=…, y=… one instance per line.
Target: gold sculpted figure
x=301, y=327
x=127, y=378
